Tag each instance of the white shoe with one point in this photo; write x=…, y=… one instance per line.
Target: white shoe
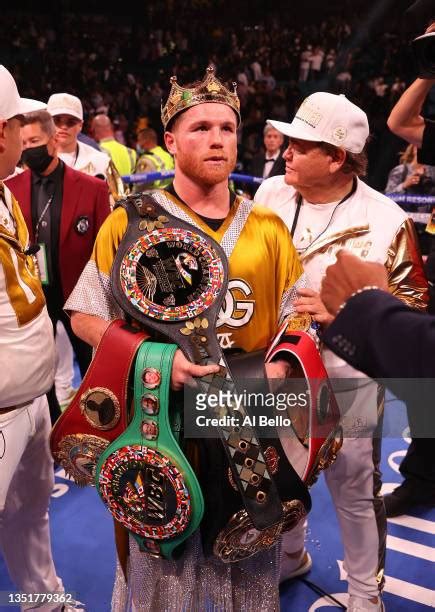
x=291, y=568
x=359, y=604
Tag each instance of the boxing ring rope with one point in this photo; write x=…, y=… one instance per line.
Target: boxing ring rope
x=400, y=198
x=149, y=177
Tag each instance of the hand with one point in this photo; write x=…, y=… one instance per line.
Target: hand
x=310, y=301
x=346, y=276
x=411, y=180
x=278, y=369
x=184, y=370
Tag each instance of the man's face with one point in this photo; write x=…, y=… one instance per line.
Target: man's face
x=306, y=164
x=204, y=143
x=33, y=136
x=10, y=146
x=273, y=141
x=67, y=129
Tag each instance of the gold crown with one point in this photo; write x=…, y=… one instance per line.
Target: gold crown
x=209, y=90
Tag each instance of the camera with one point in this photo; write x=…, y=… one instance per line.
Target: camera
x=424, y=52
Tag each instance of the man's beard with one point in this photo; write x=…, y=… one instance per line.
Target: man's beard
x=204, y=173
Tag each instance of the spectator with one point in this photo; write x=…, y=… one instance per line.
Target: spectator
x=153, y=159
x=63, y=210
x=317, y=58
x=27, y=366
x=123, y=157
x=410, y=176
x=67, y=113
x=270, y=161
x=305, y=63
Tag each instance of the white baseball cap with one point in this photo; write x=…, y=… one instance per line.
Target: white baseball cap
x=10, y=102
x=65, y=104
x=326, y=117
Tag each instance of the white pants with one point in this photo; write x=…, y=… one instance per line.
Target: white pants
x=26, y=483
x=64, y=364
x=354, y=483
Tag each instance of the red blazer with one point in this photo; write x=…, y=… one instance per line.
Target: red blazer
x=83, y=196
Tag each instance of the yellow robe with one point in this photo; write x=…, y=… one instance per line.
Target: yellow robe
x=263, y=268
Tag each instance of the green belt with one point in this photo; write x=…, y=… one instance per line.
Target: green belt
x=143, y=476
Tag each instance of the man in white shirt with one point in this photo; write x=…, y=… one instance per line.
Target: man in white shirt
x=67, y=113
x=27, y=367
x=327, y=208
x=269, y=162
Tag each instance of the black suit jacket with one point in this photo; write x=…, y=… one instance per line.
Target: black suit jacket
x=257, y=166
x=377, y=334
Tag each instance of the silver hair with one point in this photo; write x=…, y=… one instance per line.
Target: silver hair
x=44, y=119
x=269, y=127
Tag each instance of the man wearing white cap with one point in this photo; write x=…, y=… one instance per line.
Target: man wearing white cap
x=67, y=113
x=327, y=208
x=27, y=369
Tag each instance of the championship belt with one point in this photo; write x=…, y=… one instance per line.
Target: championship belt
x=98, y=413
x=172, y=278
x=143, y=477
x=319, y=434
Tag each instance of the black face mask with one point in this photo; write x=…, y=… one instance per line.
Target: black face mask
x=37, y=158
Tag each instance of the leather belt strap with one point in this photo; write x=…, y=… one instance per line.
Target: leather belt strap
x=11, y=408
x=98, y=413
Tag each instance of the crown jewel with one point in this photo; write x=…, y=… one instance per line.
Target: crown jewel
x=209, y=90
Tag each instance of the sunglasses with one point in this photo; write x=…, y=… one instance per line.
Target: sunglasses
x=61, y=120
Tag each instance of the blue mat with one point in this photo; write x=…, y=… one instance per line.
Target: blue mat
x=84, y=552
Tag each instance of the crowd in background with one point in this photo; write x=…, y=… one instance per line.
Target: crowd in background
x=122, y=65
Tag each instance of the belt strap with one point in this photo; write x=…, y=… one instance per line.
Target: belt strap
x=16, y=407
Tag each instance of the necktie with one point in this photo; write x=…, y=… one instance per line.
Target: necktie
x=43, y=227
x=268, y=163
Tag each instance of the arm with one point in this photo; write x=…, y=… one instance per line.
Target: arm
x=88, y=327
x=91, y=329
x=405, y=119
x=374, y=331
x=406, y=278
x=389, y=341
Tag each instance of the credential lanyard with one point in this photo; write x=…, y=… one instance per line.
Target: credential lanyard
x=42, y=215
x=299, y=205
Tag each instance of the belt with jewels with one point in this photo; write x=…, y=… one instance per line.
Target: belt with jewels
x=172, y=278
x=143, y=476
x=98, y=414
